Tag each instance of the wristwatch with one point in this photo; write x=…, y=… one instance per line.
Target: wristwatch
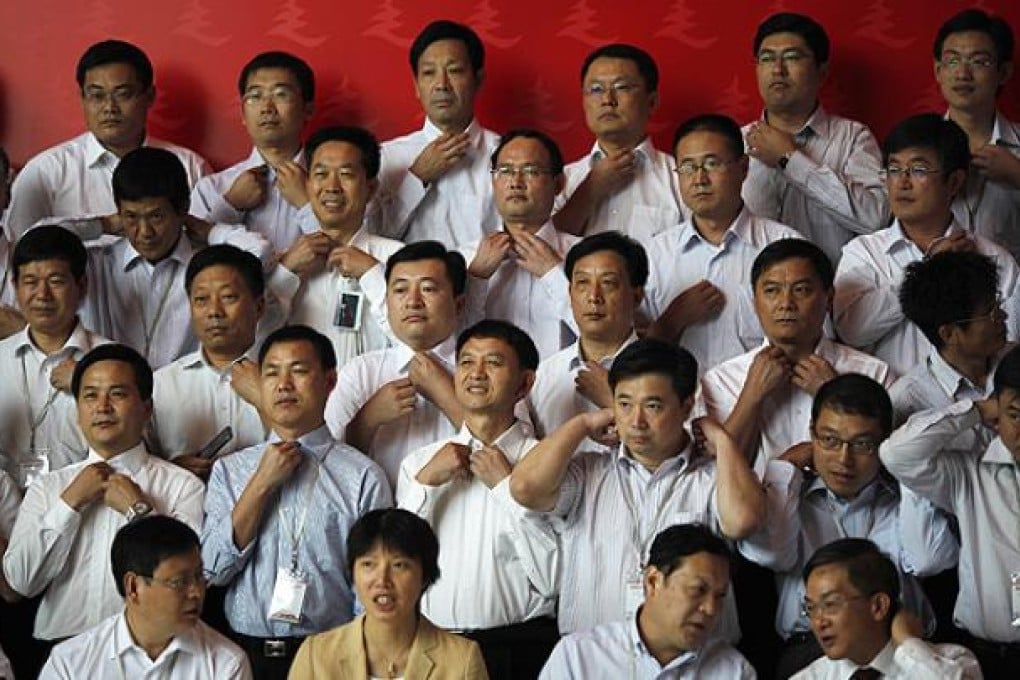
x=137, y=510
x=784, y=160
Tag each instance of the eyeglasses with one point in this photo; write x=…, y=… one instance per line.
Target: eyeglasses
x=280, y=95
x=974, y=61
x=529, y=171
x=119, y=96
x=857, y=447
x=179, y=584
x=994, y=313
x=828, y=607
x=621, y=88
x=917, y=173
x=711, y=165
x=788, y=57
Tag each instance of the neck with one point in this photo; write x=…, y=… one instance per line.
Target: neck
x=108, y=454
x=51, y=342
x=120, y=150
x=655, y=641
x=488, y=427
x=292, y=434
x=341, y=234
x=869, y=650
x=387, y=643
x=927, y=231
x=224, y=358
x=714, y=227
x=791, y=121
x=279, y=154
x=152, y=641
x=454, y=127
x=795, y=351
x=975, y=369
x=597, y=349
x=977, y=124
x=616, y=144
x=651, y=463
x=530, y=227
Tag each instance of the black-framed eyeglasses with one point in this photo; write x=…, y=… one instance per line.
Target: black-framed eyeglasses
x=179, y=583
x=995, y=313
x=830, y=606
x=857, y=447
x=529, y=171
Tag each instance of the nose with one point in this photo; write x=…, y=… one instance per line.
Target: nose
x=215, y=307
x=595, y=292
x=709, y=607
x=443, y=80
x=845, y=457
x=414, y=298
x=103, y=403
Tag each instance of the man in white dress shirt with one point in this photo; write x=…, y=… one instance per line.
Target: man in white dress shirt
x=925, y=160
x=60, y=543
x=157, y=565
x=434, y=184
x=852, y=600
x=624, y=183
x=685, y=582
x=812, y=170
x=699, y=290
x=115, y=83
x=461, y=485
x=266, y=190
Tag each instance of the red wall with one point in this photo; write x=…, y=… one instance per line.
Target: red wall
x=881, y=65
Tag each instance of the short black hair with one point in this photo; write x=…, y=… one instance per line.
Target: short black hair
x=646, y=356
x=244, y=263
x=645, y=63
x=150, y=172
x=555, y=156
x=444, y=29
x=713, y=122
x=793, y=248
x=114, y=52
x=930, y=131
x=1007, y=373
x=301, y=333
x=858, y=395
x=673, y=544
x=521, y=343
x=799, y=24
x=456, y=267
x=996, y=28
x=632, y=252
x=50, y=242
x=115, y=352
x=947, y=288
x=397, y=530
x=869, y=570
x=140, y=546
x=364, y=140
x=301, y=71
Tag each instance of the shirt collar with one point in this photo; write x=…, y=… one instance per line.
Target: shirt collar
x=316, y=443
x=78, y=340
x=255, y=159
x=885, y=661
x=131, y=459
x=576, y=360
x=643, y=152
x=898, y=237
x=997, y=454
x=866, y=496
x=510, y=439
x=1004, y=133
x=199, y=360
x=182, y=253
x=124, y=643
x=639, y=649
x=446, y=352
x=473, y=130
x=547, y=232
x=950, y=379
x=97, y=154
x=677, y=463
x=818, y=123
x=740, y=229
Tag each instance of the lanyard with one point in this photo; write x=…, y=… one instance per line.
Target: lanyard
x=639, y=541
x=150, y=329
x=298, y=530
x=34, y=421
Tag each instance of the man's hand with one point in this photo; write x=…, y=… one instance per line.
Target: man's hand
x=609, y=174
x=597, y=422
x=11, y=321
x=533, y=254
x=492, y=251
x=245, y=381
x=197, y=466
x=592, y=382
x=350, y=261
x=439, y=156
x=307, y=256
x=451, y=461
x=769, y=371
x=811, y=373
x=906, y=625
x=112, y=224
x=988, y=409
x=121, y=493
x=801, y=456
x=998, y=164
x=197, y=229
x=701, y=301
x=278, y=463
x=248, y=190
x=290, y=181
x=391, y=401
x=429, y=377
x=490, y=465
x=60, y=376
x=87, y=487
x=769, y=144
x=709, y=436
x=957, y=242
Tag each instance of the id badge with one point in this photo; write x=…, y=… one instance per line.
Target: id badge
x=347, y=315
x=288, y=596
x=633, y=594
x=33, y=468
x=1014, y=589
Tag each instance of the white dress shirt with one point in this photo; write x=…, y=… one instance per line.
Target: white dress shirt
x=983, y=491
x=538, y=306
x=680, y=257
x=785, y=418
x=866, y=307
x=276, y=219
x=108, y=650
x=647, y=205
x=30, y=402
x=499, y=562
x=454, y=209
x=8, y=297
x=912, y=660
x=74, y=178
x=10, y=501
x=933, y=383
x=192, y=401
x=830, y=189
x=67, y=553
x=615, y=651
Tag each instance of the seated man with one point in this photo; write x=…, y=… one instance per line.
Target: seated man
x=265, y=191
x=610, y=505
x=978, y=486
x=810, y=169
x=516, y=272
x=624, y=183
x=157, y=566
x=763, y=397
x=925, y=160
x=38, y=428
x=461, y=486
x=698, y=291
x=852, y=600
x=846, y=496
x=684, y=582
x=73, y=178
x=277, y=514
x=60, y=543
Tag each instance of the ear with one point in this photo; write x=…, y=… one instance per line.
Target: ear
x=639, y=296
x=947, y=331
x=823, y=73
x=559, y=183
x=881, y=603
x=260, y=306
x=131, y=581
x=527, y=382
x=150, y=97
x=331, y=379
x=744, y=165
x=653, y=101
x=653, y=580
x=373, y=186
x=309, y=110
x=459, y=303
x=1005, y=72
x=479, y=77
x=956, y=181
x=148, y=409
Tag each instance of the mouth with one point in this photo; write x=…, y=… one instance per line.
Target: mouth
x=332, y=202
x=269, y=122
x=477, y=388
x=103, y=424
x=285, y=401
x=414, y=318
x=843, y=477
x=384, y=602
x=963, y=89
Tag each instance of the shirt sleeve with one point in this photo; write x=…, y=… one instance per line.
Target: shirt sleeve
x=10, y=501
x=208, y=203
x=927, y=542
x=866, y=306
x=30, y=199
x=917, y=659
x=220, y=556
x=776, y=545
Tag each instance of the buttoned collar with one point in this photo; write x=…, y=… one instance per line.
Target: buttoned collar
x=643, y=152
x=473, y=130
x=818, y=123
x=740, y=229
x=867, y=496
x=123, y=643
x=826, y=348
x=577, y=361
x=132, y=460
x=951, y=380
x=199, y=360
x=181, y=252
x=316, y=443
x=638, y=647
x=997, y=454
x=446, y=352
x=677, y=463
x=255, y=160
x=509, y=442
x=78, y=341
x=96, y=154
x=1004, y=133
x=899, y=239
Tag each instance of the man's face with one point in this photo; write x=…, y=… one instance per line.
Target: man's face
x=338, y=186
x=601, y=296
x=788, y=77
x=115, y=105
x=522, y=199
x=845, y=622
x=489, y=377
x=617, y=103
x=295, y=386
x=844, y=471
x=648, y=417
x=914, y=200
x=791, y=302
x=1009, y=420
x=966, y=82
x=446, y=84
x=710, y=195
x=272, y=108
x=111, y=412
x=48, y=295
x=171, y=601
x=982, y=336
x=420, y=303
x=224, y=312
x=152, y=226
x=683, y=607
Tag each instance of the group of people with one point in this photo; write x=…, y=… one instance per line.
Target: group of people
x=450, y=407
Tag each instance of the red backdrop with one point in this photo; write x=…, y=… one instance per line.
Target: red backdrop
x=881, y=64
